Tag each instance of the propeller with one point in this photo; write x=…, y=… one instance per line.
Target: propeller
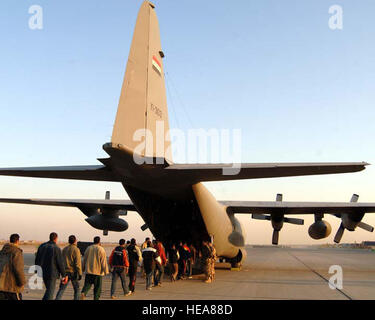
x=353, y=225
x=277, y=221
x=107, y=197
x=261, y=217
x=300, y=222
x=275, y=237
x=366, y=227
x=339, y=233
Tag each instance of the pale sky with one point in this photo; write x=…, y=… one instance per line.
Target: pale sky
x=298, y=90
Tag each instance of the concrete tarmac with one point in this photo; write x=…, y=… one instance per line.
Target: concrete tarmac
x=271, y=273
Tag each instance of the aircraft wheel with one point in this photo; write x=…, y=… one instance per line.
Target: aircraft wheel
x=235, y=265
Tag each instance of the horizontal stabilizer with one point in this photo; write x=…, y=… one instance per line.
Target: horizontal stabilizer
x=94, y=173
x=194, y=173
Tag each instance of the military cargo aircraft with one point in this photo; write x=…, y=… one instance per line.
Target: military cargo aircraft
x=171, y=198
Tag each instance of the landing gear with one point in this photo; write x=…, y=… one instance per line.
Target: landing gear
x=235, y=266
x=236, y=263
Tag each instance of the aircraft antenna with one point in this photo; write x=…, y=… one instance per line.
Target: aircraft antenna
x=172, y=104
x=180, y=100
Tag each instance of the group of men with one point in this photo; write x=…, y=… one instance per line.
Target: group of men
x=181, y=261
x=67, y=266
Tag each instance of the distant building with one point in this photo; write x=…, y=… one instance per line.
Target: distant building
x=369, y=244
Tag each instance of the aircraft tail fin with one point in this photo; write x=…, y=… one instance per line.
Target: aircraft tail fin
x=143, y=101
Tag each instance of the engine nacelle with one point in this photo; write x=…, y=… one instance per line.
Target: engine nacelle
x=351, y=221
x=320, y=230
x=102, y=222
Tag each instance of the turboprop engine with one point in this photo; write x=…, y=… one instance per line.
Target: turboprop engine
x=351, y=221
x=277, y=219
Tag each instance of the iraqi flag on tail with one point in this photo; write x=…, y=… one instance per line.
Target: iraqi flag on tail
x=156, y=64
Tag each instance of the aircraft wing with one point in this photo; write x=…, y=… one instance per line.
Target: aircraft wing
x=216, y=172
x=268, y=207
x=95, y=173
x=351, y=215
x=80, y=203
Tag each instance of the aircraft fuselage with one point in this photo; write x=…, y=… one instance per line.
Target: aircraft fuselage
x=173, y=209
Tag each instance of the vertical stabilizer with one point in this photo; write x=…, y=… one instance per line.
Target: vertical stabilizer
x=143, y=101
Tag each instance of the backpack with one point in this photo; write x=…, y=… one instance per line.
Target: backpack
x=118, y=256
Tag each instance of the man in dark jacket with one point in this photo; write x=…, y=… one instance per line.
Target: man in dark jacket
x=173, y=256
x=12, y=276
x=149, y=255
x=134, y=256
x=181, y=261
x=119, y=264
x=49, y=258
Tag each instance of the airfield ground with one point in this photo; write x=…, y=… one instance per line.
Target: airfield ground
x=269, y=273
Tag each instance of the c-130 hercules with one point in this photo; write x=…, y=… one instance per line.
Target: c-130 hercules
x=171, y=198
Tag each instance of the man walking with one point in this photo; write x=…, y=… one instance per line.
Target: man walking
x=73, y=269
x=119, y=264
x=49, y=258
x=12, y=276
x=173, y=262
x=187, y=256
x=95, y=265
x=149, y=255
x=144, y=246
x=184, y=253
x=134, y=254
x=160, y=263
x=191, y=261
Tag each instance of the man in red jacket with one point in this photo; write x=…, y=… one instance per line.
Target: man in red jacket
x=119, y=264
